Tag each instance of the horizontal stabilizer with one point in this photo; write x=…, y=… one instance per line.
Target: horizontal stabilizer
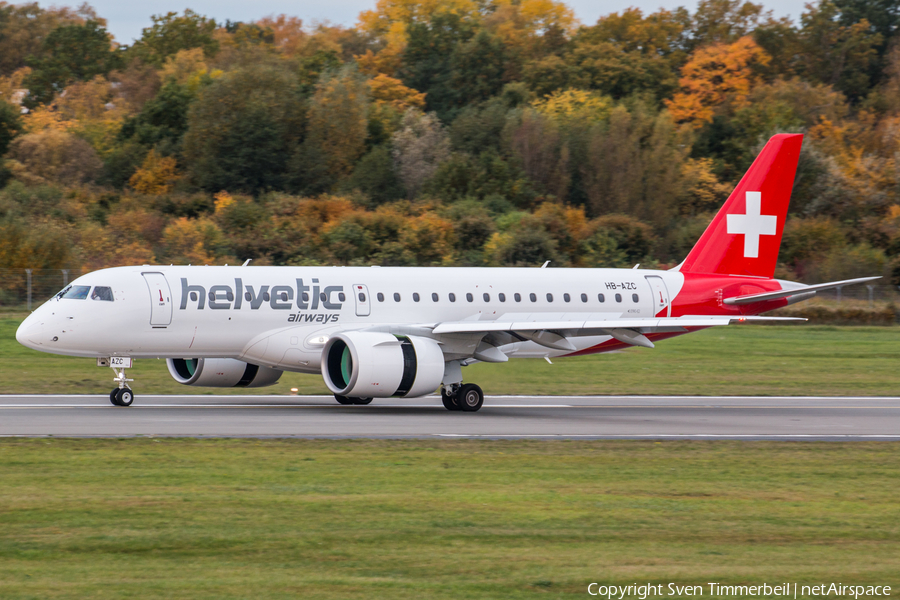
x=800, y=290
x=586, y=328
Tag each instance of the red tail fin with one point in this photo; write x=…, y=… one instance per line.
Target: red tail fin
x=744, y=237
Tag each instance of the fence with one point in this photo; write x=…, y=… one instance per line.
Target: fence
x=28, y=288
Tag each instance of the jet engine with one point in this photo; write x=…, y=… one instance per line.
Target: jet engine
x=220, y=372
x=362, y=364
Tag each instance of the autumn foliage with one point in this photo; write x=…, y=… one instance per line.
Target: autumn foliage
x=444, y=132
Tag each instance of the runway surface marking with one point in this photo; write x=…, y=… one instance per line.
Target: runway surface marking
x=809, y=418
x=486, y=406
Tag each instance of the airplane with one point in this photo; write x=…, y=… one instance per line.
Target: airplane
x=379, y=332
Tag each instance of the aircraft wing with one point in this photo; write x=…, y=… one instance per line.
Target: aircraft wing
x=576, y=327
x=750, y=299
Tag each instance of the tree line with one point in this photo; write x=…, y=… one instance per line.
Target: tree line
x=444, y=132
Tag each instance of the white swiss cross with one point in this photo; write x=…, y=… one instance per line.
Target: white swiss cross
x=752, y=224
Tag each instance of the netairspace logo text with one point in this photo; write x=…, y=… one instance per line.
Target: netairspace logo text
x=781, y=590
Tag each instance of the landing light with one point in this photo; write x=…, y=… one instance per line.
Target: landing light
x=318, y=340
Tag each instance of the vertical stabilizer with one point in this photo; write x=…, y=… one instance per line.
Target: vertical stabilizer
x=745, y=235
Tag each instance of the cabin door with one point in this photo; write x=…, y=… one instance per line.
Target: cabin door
x=160, y=299
x=363, y=302
x=660, y=295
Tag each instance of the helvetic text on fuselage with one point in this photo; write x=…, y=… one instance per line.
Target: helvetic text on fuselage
x=313, y=297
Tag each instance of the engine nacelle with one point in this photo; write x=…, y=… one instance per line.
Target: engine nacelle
x=363, y=364
x=220, y=372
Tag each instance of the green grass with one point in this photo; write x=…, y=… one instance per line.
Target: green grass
x=740, y=360
x=196, y=519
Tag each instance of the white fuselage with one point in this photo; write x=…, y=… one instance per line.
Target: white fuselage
x=281, y=317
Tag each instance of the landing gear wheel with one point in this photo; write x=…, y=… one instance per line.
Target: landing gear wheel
x=449, y=400
x=343, y=399
x=112, y=397
x=470, y=397
x=361, y=400
x=124, y=397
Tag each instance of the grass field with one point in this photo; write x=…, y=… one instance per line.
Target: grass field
x=741, y=360
x=167, y=518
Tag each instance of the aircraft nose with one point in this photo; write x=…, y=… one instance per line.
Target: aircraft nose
x=29, y=332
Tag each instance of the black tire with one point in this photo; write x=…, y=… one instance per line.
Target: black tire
x=361, y=400
x=124, y=397
x=449, y=401
x=113, y=397
x=470, y=398
x=343, y=399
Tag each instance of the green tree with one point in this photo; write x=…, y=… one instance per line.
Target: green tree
x=242, y=130
x=837, y=54
x=10, y=125
x=883, y=16
x=606, y=67
x=487, y=173
x=71, y=53
x=162, y=120
x=629, y=52
x=725, y=21
x=375, y=176
x=171, y=33
x=428, y=60
x=337, y=125
x=24, y=27
x=479, y=67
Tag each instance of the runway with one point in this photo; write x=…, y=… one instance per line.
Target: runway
x=502, y=417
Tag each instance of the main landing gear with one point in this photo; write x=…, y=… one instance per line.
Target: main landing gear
x=121, y=395
x=346, y=400
x=466, y=397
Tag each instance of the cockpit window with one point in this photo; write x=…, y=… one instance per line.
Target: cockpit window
x=102, y=293
x=76, y=292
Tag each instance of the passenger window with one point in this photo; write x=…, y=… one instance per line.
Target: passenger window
x=305, y=296
x=469, y=297
x=618, y=297
x=584, y=297
x=452, y=297
x=322, y=296
x=434, y=297
x=380, y=297
x=487, y=297
x=502, y=297
x=77, y=292
x=247, y=296
x=415, y=296
x=634, y=297
x=396, y=297
x=601, y=297
x=533, y=297
x=265, y=296
x=341, y=296
x=517, y=297
x=362, y=297
x=567, y=297
x=102, y=293
x=549, y=297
